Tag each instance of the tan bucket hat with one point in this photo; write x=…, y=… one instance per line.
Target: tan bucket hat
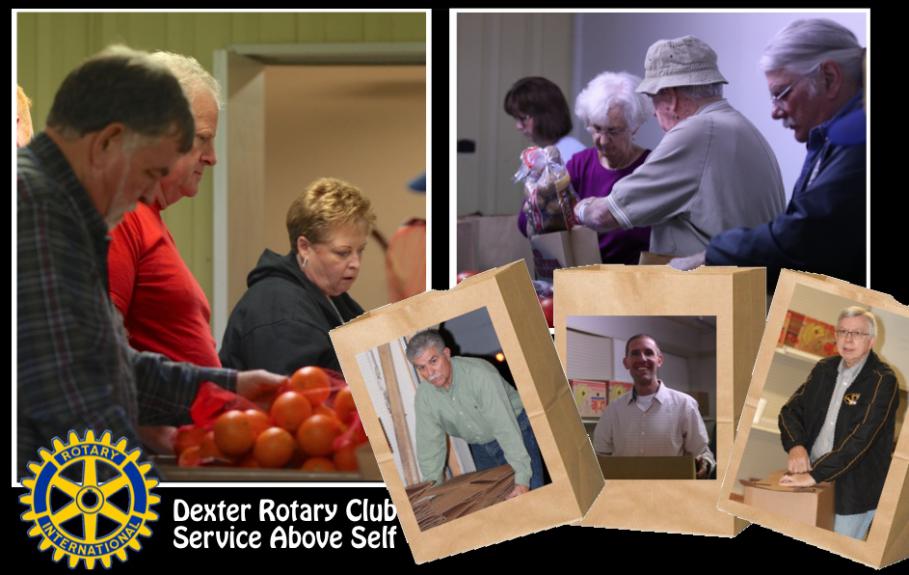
x=685, y=61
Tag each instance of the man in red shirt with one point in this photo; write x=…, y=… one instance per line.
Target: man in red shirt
x=163, y=306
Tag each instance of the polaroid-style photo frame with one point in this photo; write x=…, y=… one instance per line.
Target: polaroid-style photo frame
x=667, y=432
x=492, y=313
x=798, y=367
x=734, y=299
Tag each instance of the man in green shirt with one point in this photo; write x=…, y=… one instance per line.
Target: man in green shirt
x=467, y=398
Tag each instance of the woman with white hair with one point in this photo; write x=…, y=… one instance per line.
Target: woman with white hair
x=163, y=307
x=612, y=112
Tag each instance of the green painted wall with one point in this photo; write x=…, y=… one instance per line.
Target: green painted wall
x=50, y=45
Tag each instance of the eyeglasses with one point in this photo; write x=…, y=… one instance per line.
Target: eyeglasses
x=604, y=131
x=777, y=100
x=847, y=335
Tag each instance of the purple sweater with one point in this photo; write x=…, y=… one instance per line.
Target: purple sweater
x=590, y=179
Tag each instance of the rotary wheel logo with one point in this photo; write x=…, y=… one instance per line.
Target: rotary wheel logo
x=89, y=500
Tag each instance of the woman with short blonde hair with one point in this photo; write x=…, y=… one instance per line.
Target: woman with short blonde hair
x=282, y=321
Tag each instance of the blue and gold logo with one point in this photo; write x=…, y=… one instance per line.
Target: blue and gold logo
x=89, y=500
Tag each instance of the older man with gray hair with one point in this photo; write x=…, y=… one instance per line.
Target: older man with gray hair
x=466, y=397
x=118, y=124
x=712, y=170
x=814, y=74
x=838, y=426
x=164, y=308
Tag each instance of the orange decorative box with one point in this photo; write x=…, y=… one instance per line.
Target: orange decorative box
x=808, y=334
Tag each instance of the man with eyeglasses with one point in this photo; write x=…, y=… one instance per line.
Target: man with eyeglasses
x=839, y=425
x=814, y=73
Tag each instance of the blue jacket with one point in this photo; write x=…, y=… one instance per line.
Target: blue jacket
x=823, y=228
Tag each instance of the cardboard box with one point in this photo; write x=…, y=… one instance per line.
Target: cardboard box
x=808, y=334
x=557, y=250
x=618, y=388
x=811, y=505
x=681, y=467
x=589, y=396
x=486, y=242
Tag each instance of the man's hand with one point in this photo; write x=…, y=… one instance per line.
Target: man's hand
x=798, y=460
x=258, y=384
x=688, y=262
x=158, y=438
x=518, y=490
x=798, y=480
x=594, y=213
x=704, y=467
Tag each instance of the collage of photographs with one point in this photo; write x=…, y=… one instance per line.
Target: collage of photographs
x=522, y=272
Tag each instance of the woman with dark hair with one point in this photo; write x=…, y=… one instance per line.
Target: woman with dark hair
x=541, y=113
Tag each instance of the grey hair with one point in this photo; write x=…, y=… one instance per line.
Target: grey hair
x=803, y=45
x=610, y=89
x=192, y=76
x=424, y=339
x=703, y=92
x=122, y=85
x=857, y=311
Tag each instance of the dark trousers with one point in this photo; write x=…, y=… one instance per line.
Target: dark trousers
x=489, y=455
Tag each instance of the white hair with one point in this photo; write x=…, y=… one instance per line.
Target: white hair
x=610, y=89
x=189, y=72
x=803, y=45
x=857, y=311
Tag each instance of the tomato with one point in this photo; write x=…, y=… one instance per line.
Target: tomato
x=345, y=459
x=188, y=436
x=249, y=461
x=318, y=464
x=274, y=447
x=325, y=410
x=546, y=304
x=259, y=421
x=190, y=457
x=317, y=434
x=233, y=434
x=208, y=448
x=344, y=405
x=312, y=382
x=289, y=410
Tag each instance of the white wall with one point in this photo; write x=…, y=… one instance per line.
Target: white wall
x=688, y=346
x=620, y=42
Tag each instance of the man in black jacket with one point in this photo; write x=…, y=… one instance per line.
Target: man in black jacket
x=838, y=426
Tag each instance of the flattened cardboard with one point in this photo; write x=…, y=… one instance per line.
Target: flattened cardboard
x=508, y=296
x=736, y=296
x=888, y=539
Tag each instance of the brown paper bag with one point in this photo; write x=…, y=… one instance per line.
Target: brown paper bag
x=778, y=371
x=736, y=297
x=508, y=298
x=486, y=242
x=578, y=247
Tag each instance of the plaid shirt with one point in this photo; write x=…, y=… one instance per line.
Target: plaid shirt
x=75, y=368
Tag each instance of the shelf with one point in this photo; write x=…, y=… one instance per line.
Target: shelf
x=797, y=355
x=766, y=426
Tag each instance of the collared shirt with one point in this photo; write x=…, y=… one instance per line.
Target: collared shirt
x=671, y=426
x=479, y=406
x=75, y=370
x=712, y=171
x=844, y=378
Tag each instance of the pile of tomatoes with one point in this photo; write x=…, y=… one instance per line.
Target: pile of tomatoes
x=308, y=426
